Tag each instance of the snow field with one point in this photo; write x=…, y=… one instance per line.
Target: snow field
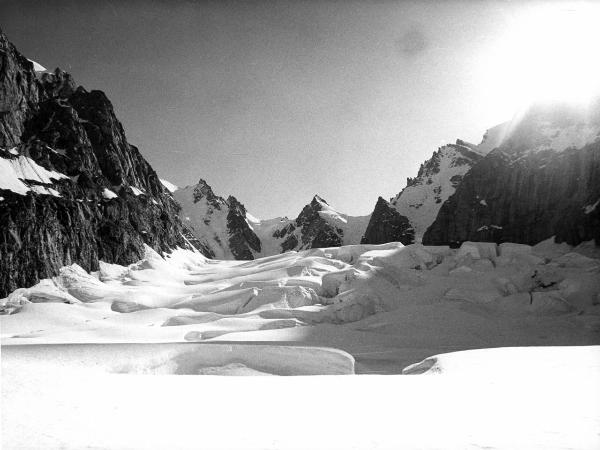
x=387, y=305
x=77, y=349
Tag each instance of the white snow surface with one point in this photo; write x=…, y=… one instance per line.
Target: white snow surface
x=37, y=67
x=136, y=191
x=352, y=297
x=167, y=184
x=264, y=230
x=108, y=194
x=15, y=172
x=77, y=350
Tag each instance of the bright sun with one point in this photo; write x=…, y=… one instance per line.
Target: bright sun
x=549, y=53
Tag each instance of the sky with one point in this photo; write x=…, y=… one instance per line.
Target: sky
x=276, y=101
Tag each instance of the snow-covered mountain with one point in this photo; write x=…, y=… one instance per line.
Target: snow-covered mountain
x=228, y=231
x=437, y=180
x=407, y=216
x=543, y=180
x=220, y=224
x=320, y=225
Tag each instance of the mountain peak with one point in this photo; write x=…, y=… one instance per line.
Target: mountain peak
x=203, y=190
x=317, y=199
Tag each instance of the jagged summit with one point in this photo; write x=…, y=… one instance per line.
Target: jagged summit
x=318, y=200
x=230, y=231
x=202, y=190
x=436, y=180
x=220, y=224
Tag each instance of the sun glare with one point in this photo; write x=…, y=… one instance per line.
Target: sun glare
x=550, y=53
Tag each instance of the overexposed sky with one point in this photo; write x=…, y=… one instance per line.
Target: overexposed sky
x=275, y=101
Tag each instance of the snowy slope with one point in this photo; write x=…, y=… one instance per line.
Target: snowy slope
x=220, y=225
x=37, y=67
x=268, y=231
x=168, y=185
x=549, y=403
x=480, y=295
x=21, y=175
x=437, y=179
x=80, y=348
x=206, y=215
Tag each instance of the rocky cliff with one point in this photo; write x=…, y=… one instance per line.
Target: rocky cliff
x=542, y=181
x=388, y=225
x=72, y=189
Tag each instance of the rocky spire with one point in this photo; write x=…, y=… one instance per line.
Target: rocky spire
x=387, y=225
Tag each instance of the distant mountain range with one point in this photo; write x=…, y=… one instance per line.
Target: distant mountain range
x=73, y=190
x=405, y=218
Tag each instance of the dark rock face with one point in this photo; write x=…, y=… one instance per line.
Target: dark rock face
x=388, y=225
x=241, y=237
x=203, y=190
x=19, y=92
x=45, y=119
x=526, y=191
x=315, y=232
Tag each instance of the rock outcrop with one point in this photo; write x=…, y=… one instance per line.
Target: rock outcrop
x=388, y=225
x=72, y=189
x=242, y=239
x=542, y=181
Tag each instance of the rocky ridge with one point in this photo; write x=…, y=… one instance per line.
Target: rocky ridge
x=228, y=231
x=72, y=189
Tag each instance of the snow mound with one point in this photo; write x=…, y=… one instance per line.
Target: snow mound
x=513, y=362
x=179, y=359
